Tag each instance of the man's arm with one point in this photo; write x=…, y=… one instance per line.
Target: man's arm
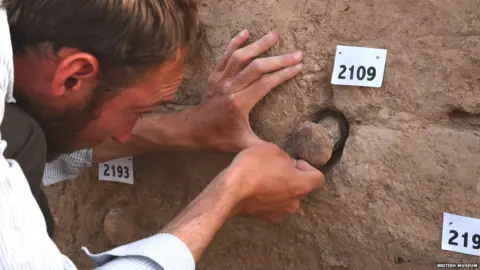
x=194, y=227
x=200, y=221
x=156, y=132
x=262, y=181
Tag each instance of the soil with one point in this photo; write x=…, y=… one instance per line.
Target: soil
x=412, y=153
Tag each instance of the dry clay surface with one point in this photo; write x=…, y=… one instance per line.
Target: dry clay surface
x=413, y=151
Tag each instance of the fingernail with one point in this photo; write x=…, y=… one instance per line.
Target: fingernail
x=305, y=166
x=298, y=55
x=272, y=35
x=295, y=162
x=243, y=33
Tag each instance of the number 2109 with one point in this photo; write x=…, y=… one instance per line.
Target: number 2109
x=475, y=239
x=361, y=74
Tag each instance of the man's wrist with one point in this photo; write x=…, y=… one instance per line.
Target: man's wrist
x=198, y=134
x=199, y=222
x=175, y=131
x=231, y=184
x=179, y=131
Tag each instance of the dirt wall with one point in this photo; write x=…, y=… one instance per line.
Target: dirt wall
x=413, y=151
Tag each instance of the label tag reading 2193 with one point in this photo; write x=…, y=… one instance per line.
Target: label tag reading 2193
x=358, y=66
x=118, y=170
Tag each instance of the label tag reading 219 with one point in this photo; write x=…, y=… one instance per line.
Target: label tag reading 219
x=461, y=234
x=118, y=170
x=358, y=66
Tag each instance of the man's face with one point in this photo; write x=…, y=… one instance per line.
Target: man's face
x=119, y=113
x=84, y=118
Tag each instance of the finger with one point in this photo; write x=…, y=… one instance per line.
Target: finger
x=234, y=44
x=293, y=207
x=251, y=95
x=275, y=217
x=240, y=58
x=261, y=66
x=313, y=177
x=304, y=166
x=309, y=179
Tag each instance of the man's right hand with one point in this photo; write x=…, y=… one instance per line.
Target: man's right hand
x=262, y=181
x=270, y=183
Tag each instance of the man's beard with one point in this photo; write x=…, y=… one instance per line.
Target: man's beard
x=62, y=132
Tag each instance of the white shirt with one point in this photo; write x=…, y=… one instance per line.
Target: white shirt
x=24, y=242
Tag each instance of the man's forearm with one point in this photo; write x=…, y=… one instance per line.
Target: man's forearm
x=197, y=225
x=153, y=133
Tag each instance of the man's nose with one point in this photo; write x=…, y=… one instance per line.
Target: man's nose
x=126, y=134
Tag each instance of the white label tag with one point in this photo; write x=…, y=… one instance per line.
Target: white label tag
x=461, y=234
x=359, y=66
x=118, y=170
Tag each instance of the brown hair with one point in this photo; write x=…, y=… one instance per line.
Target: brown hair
x=128, y=37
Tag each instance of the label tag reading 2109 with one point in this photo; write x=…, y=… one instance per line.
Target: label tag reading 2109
x=118, y=170
x=358, y=66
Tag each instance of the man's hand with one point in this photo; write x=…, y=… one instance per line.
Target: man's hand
x=272, y=183
x=239, y=81
x=262, y=181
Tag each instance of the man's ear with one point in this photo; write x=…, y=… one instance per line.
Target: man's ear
x=76, y=71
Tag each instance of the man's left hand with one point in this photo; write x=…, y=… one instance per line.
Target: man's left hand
x=240, y=80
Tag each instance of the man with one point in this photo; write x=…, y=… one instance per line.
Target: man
x=86, y=71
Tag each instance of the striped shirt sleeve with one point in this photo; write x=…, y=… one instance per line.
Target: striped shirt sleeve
x=67, y=167
x=150, y=253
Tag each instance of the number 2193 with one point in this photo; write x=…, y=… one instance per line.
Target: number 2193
x=361, y=73
x=475, y=239
x=120, y=171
